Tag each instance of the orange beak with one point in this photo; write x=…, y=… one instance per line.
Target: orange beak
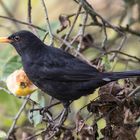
x=5, y=40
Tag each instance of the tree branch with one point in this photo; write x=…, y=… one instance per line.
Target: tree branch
x=22, y=22
x=16, y=117
x=48, y=22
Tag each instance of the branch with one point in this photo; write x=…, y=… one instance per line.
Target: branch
x=128, y=55
x=75, y=19
x=120, y=28
x=134, y=92
x=105, y=38
x=9, y=13
x=48, y=22
x=70, y=47
x=16, y=117
x=82, y=31
x=94, y=14
x=29, y=12
x=22, y=22
x=37, y=134
x=119, y=48
x=30, y=17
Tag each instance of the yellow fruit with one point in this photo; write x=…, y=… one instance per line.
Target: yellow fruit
x=19, y=84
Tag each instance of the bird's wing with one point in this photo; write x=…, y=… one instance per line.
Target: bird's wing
x=65, y=67
x=62, y=75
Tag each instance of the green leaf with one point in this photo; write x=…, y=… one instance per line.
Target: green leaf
x=39, y=98
x=35, y=117
x=11, y=65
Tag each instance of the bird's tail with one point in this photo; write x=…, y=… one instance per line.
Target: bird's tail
x=113, y=76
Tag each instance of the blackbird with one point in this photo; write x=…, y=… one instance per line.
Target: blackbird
x=58, y=73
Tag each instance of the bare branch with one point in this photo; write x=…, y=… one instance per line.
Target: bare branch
x=30, y=16
x=93, y=14
x=72, y=26
x=128, y=55
x=29, y=12
x=9, y=14
x=16, y=117
x=126, y=29
x=119, y=48
x=48, y=22
x=82, y=31
x=22, y=22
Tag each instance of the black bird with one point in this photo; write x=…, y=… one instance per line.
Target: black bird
x=58, y=73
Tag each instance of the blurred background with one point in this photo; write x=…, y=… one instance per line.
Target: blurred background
x=117, y=12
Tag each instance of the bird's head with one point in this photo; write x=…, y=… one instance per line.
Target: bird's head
x=21, y=40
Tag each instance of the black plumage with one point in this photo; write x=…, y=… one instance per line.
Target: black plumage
x=59, y=73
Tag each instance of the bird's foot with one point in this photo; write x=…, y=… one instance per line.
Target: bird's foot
x=44, y=109
x=63, y=116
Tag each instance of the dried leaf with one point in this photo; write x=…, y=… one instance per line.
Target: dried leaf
x=122, y=133
x=64, y=22
x=87, y=133
x=112, y=88
x=93, y=107
x=116, y=116
x=68, y=135
x=107, y=132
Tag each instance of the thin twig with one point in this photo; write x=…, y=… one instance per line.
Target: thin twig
x=22, y=22
x=45, y=36
x=128, y=55
x=29, y=12
x=30, y=17
x=46, y=108
x=93, y=13
x=135, y=91
x=16, y=117
x=5, y=90
x=9, y=13
x=51, y=100
x=105, y=39
x=82, y=31
x=71, y=15
x=120, y=28
x=75, y=51
x=72, y=26
x=128, y=60
x=48, y=22
x=75, y=19
x=119, y=48
x=37, y=134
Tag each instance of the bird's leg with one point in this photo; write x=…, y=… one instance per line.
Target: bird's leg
x=63, y=115
x=43, y=109
x=51, y=99
x=58, y=116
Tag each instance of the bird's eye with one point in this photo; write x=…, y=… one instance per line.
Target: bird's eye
x=16, y=38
